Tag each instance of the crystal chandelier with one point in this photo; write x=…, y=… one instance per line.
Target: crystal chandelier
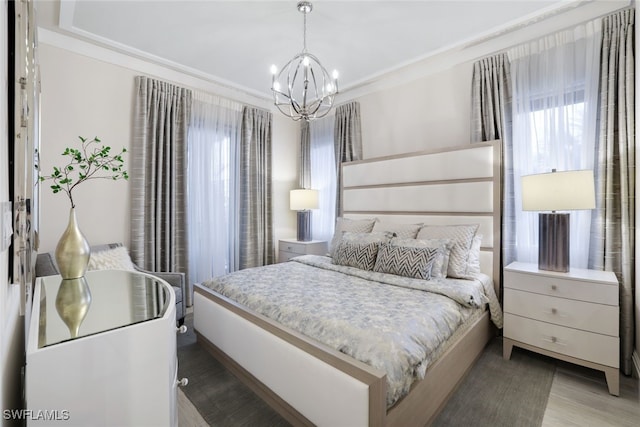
x=303, y=89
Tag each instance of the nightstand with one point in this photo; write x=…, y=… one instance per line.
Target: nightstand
x=569, y=316
x=289, y=248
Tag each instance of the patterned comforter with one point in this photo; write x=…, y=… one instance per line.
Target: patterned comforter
x=390, y=322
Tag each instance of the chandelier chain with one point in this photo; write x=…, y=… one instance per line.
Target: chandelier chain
x=304, y=32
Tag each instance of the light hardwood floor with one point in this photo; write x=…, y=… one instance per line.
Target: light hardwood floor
x=578, y=397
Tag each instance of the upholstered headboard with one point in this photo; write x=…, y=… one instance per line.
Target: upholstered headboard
x=459, y=185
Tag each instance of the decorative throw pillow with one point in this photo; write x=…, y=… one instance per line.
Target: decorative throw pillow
x=461, y=236
x=359, y=250
x=441, y=263
x=111, y=259
x=474, y=256
x=404, y=231
x=349, y=225
x=408, y=261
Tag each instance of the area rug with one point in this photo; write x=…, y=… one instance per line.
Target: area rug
x=495, y=393
x=220, y=398
x=498, y=392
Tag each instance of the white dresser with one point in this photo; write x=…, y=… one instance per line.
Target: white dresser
x=121, y=366
x=571, y=316
x=289, y=248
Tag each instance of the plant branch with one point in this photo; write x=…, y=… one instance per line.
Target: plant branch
x=89, y=162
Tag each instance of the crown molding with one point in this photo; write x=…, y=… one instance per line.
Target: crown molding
x=554, y=18
x=551, y=20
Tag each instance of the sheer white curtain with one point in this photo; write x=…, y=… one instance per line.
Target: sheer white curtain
x=555, y=101
x=212, y=171
x=323, y=177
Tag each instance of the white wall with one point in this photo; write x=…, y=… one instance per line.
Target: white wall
x=427, y=105
x=11, y=324
x=428, y=113
x=82, y=95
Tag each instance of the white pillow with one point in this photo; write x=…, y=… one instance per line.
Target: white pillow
x=111, y=259
x=404, y=231
x=462, y=238
x=474, y=256
x=349, y=225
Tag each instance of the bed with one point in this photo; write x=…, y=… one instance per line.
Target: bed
x=316, y=381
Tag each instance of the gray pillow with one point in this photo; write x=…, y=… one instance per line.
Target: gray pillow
x=359, y=250
x=441, y=263
x=408, y=261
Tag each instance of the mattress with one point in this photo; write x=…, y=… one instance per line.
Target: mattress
x=396, y=324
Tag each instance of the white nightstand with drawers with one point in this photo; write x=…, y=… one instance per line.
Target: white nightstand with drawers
x=289, y=248
x=571, y=316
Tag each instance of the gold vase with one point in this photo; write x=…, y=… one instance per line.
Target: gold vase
x=72, y=303
x=72, y=252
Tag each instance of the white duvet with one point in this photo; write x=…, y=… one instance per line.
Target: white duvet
x=392, y=323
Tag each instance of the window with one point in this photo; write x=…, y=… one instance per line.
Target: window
x=212, y=179
x=323, y=177
x=555, y=97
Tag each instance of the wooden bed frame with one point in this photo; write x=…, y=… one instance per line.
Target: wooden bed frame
x=311, y=384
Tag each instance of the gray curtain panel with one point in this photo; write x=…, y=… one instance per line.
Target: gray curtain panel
x=491, y=119
x=613, y=224
x=348, y=142
x=158, y=182
x=256, y=212
x=304, y=161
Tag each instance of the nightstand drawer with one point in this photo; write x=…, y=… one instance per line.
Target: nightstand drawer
x=286, y=256
x=296, y=248
x=560, y=287
x=586, y=316
x=583, y=345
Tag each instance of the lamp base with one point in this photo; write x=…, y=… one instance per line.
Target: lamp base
x=304, y=226
x=553, y=244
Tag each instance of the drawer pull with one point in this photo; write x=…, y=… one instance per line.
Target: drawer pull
x=555, y=312
x=289, y=248
x=554, y=288
x=554, y=340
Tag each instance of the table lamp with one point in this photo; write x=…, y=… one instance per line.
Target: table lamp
x=556, y=191
x=302, y=200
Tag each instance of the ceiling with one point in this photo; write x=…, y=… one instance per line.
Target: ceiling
x=234, y=42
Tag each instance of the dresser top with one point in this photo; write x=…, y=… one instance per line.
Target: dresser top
x=98, y=302
x=309, y=242
x=604, y=277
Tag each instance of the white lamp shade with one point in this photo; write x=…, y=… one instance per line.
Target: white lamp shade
x=558, y=191
x=303, y=199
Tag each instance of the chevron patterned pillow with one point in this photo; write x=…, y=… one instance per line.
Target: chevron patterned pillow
x=360, y=250
x=441, y=263
x=416, y=262
x=344, y=225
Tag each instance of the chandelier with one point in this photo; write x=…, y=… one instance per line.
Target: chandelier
x=303, y=89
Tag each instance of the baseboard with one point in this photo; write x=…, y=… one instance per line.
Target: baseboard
x=635, y=358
